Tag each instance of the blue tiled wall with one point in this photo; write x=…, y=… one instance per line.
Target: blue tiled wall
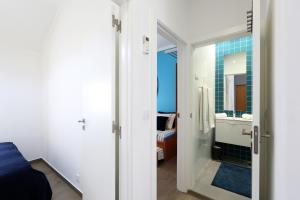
x=239, y=45
x=230, y=151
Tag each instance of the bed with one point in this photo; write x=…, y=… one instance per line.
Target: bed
x=166, y=136
x=18, y=180
x=167, y=141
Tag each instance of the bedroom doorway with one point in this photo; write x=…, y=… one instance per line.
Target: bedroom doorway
x=166, y=116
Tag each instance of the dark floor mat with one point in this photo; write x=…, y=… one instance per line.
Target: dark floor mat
x=234, y=178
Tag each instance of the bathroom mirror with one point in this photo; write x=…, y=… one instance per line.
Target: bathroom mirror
x=235, y=82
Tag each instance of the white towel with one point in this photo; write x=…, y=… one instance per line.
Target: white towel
x=221, y=115
x=206, y=116
x=201, y=113
x=211, y=108
x=247, y=116
x=205, y=110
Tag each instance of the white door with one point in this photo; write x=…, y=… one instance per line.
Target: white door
x=256, y=102
x=98, y=103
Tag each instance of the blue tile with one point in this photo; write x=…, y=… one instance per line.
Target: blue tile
x=242, y=44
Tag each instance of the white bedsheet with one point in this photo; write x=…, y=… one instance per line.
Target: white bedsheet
x=160, y=153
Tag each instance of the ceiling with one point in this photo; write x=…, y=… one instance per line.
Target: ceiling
x=24, y=24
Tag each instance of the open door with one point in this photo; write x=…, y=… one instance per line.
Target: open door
x=99, y=166
x=256, y=102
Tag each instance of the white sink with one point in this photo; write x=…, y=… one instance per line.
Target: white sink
x=236, y=119
x=229, y=130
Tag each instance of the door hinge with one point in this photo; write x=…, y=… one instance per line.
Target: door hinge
x=116, y=128
x=117, y=23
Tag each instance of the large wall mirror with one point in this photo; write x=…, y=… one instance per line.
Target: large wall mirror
x=235, y=82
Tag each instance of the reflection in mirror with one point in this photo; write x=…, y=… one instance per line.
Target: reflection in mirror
x=235, y=82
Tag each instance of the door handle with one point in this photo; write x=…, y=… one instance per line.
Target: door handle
x=244, y=132
x=81, y=121
x=256, y=135
x=266, y=136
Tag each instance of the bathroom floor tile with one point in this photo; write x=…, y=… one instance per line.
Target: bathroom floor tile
x=203, y=184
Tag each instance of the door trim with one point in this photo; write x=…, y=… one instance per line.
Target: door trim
x=182, y=105
x=125, y=145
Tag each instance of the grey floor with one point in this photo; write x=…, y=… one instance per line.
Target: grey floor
x=61, y=190
x=166, y=182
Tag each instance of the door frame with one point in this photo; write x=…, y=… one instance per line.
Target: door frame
x=181, y=103
x=185, y=80
x=125, y=157
x=221, y=36
x=126, y=146
x=257, y=167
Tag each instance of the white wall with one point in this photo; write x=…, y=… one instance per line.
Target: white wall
x=38, y=87
x=285, y=96
x=25, y=23
x=281, y=39
x=140, y=102
x=213, y=18
x=142, y=88
x=175, y=15
x=23, y=27
x=20, y=102
x=204, y=59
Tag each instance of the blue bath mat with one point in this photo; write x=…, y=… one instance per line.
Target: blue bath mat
x=234, y=178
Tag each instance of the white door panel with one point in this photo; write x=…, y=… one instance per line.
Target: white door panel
x=256, y=102
x=97, y=70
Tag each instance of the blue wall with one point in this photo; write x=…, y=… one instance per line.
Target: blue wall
x=166, y=72
x=243, y=44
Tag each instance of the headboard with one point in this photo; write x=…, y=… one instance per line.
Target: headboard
x=168, y=114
